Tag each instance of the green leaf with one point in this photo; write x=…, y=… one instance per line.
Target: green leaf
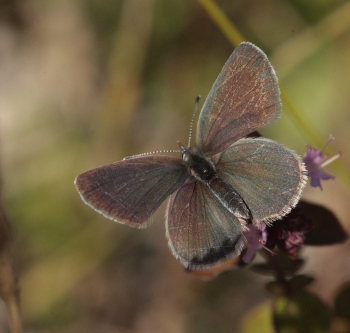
x=342, y=302
x=327, y=229
x=301, y=313
x=262, y=269
x=294, y=285
x=280, y=259
x=299, y=282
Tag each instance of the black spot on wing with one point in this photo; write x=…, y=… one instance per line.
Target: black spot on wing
x=216, y=254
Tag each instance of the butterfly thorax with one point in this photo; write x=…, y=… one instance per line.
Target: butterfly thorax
x=199, y=165
x=203, y=169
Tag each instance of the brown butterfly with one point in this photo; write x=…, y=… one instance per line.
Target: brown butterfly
x=218, y=187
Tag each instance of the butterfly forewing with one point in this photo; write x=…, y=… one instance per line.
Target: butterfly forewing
x=201, y=231
x=243, y=98
x=268, y=176
x=130, y=191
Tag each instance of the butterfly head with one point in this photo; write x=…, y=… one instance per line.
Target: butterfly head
x=199, y=165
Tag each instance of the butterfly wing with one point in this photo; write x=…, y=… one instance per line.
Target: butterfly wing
x=268, y=176
x=243, y=98
x=130, y=191
x=201, y=232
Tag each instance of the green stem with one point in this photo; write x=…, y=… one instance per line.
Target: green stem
x=222, y=21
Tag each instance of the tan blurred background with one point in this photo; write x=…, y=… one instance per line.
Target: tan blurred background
x=84, y=83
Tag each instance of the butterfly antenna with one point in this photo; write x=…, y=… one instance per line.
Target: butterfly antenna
x=151, y=153
x=192, y=120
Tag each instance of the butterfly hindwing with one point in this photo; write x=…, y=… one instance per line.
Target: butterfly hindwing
x=130, y=191
x=201, y=232
x=244, y=97
x=268, y=176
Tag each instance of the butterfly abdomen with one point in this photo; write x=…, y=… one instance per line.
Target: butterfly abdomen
x=230, y=199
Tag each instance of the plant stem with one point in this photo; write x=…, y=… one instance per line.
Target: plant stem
x=278, y=271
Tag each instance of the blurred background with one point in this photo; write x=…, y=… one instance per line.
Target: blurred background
x=84, y=83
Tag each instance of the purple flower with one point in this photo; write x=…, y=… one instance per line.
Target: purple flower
x=256, y=239
x=289, y=233
x=293, y=242
x=315, y=160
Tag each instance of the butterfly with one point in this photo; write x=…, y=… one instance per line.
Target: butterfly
x=219, y=187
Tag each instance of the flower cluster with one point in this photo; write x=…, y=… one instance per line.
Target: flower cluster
x=288, y=234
